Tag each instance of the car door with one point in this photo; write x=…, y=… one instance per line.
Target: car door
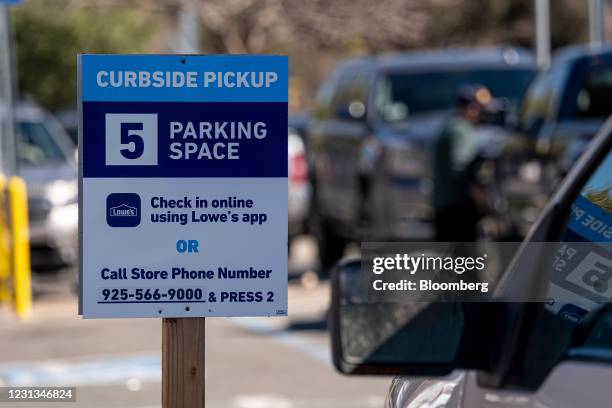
x=567, y=365
x=542, y=339
x=561, y=353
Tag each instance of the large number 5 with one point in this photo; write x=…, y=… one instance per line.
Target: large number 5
x=130, y=136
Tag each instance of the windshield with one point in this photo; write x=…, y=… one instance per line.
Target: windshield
x=594, y=99
x=400, y=94
x=35, y=145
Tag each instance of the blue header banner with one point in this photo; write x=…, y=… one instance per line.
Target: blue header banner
x=189, y=78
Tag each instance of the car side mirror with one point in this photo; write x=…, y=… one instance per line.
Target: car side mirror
x=408, y=338
x=353, y=111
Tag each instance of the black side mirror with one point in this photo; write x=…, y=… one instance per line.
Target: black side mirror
x=355, y=110
x=407, y=338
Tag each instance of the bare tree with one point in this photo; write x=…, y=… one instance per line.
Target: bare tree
x=240, y=26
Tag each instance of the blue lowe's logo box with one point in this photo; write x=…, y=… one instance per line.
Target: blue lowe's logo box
x=123, y=210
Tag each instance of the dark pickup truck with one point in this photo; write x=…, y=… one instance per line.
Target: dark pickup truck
x=371, y=132
x=563, y=107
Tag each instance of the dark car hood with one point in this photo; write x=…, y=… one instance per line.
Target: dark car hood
x=423, y=130
x=419, y=128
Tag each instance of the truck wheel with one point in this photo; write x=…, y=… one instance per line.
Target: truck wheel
x=330, y=245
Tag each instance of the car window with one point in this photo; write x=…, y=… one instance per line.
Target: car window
x=352, y=87
x=594, y=99
x=574, y=316
x=581, y=281
x=540, y=99
x=325, y=95
x=36, y=145
x=359, y=91
x=400, y=94
x=582, y=266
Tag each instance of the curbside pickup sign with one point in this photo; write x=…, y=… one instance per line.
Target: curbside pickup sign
x=183, y=186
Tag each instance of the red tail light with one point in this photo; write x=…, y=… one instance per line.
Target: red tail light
x=298, y=168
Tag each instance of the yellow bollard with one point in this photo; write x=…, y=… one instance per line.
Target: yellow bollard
x=18, y=206
x=5, y=246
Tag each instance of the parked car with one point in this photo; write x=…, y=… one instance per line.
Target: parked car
x=299, y=186
x=69, y=118
x=45, y=160
x=563, y=108
x=508, y=352
x=370, y=137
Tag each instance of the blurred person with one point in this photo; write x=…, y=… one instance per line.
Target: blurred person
x=458, y=200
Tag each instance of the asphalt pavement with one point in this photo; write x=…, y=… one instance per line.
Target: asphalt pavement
x=250, y=362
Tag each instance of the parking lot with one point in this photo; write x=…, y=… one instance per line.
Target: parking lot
x=434, y=178
x=250, y=362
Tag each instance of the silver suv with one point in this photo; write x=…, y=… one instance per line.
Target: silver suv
x=46, y=160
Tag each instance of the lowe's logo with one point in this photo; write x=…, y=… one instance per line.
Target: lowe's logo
x=123, y=210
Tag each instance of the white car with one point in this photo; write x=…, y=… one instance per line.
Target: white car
x=544, y=338
x=299, y=186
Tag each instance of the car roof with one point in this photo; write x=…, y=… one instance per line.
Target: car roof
x=574, y=52
x=26, y=111
x=448, y=57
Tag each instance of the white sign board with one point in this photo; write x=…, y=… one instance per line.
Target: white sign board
x=183, y=186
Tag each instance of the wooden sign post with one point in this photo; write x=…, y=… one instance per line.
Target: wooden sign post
x=183, y=357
